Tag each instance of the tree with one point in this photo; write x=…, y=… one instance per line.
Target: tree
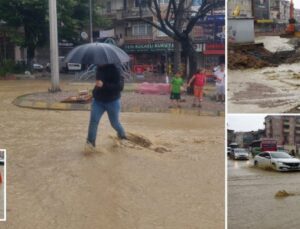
x=30, y=24
x=30, y=16
x=177, y=20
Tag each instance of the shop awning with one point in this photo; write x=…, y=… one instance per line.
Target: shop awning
x=214, y=52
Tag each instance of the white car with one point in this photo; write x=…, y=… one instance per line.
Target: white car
x=277, y=160
x=239, y=153
x=37, y=67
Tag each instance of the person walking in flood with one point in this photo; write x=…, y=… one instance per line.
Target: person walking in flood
x=199, y=80
x=106, y=98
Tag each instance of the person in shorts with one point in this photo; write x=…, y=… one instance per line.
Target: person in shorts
x=199, y=80
x=176, y=87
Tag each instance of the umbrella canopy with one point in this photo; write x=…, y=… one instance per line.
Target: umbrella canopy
x=97, y=53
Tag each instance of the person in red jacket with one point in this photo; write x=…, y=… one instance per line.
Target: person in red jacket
x=199, y=80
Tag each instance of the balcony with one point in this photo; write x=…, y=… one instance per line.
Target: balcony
x=135, y=13
x=286, y=130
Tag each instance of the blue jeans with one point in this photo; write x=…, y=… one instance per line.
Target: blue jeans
x=113, y=110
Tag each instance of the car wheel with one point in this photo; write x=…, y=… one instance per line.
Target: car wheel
x=274, y=166
x=255, y=163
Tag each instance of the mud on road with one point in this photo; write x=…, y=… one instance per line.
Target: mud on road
x=252, y=200
x=267, y=90
x=52, y=184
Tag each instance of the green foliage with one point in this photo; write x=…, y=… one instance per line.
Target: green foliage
x=28, y=21
x=6, y=67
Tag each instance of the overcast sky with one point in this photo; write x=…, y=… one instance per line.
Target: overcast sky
x=245, y=122
x=297, y=4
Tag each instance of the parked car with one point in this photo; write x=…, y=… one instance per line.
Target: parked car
x=277, y=160
x=37, y=67
x=62, y=65
x=239, y=153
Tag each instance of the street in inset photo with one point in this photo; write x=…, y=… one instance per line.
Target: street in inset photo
x=2, y=184
x=115, y=117
x=263, y=171
x=263, y=56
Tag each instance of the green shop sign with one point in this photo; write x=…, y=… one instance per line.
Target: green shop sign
x=151, y=47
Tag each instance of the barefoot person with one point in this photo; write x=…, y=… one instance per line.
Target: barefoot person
x=106, y=98
x=199, y=80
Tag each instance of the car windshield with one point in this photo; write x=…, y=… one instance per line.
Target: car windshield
x=280, y=155
x=240, y=151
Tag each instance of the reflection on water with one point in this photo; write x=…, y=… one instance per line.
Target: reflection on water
x=240, y=164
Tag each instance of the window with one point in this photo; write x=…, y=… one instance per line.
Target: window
x=163, y=1
x=138, y=3
x=108, y=7
x=141, y=30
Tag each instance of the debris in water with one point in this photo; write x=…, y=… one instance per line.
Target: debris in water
x=283, y=194
x=138, y=142
x=161, y=149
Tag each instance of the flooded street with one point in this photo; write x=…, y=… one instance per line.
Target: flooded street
x=52, y=184
x=267, y=90
x=251, y=197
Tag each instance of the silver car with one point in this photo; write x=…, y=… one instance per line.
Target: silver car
x=279, y=161
x=240, y=153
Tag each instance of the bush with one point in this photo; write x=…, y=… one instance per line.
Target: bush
x=9, y=66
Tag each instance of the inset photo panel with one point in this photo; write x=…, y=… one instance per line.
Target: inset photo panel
x=2, y=185
x=263, y=168
x=263, y=56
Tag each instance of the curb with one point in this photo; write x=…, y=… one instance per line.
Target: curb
x=22, y=102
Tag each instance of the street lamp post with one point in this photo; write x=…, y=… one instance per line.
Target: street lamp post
x=53, y=47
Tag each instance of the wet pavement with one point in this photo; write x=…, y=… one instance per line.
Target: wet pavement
x=131, y=101
x=52, y=184
x=251, y=197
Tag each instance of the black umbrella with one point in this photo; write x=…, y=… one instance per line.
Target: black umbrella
x=97, y=53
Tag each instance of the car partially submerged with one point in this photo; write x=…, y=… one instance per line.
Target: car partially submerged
x=277, y=160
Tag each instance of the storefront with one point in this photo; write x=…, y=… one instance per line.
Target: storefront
x=151, y=57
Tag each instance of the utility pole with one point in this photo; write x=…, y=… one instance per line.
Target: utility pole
x=91, y=22
x=53, y=47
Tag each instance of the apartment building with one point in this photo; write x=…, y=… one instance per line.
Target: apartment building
x=151, y=49
x=285, y=129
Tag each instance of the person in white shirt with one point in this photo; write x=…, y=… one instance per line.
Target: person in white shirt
x=220, y=83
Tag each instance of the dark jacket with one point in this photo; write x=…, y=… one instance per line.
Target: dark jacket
x=113, y=84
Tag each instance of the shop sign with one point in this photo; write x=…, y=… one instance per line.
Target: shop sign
x=150, y=47
x=215, y=47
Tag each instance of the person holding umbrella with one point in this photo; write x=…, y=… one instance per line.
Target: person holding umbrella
x=109, y=84
x=106, y=98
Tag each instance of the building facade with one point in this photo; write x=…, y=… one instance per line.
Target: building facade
x=152, y=50
x=285, y=129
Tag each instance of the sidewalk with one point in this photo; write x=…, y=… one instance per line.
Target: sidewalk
x=131, y=101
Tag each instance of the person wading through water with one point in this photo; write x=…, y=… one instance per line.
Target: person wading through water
x=106, y=98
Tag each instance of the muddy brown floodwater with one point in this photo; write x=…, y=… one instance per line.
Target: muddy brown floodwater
x=266, y=90
x=253, y=197
x=175, y=181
